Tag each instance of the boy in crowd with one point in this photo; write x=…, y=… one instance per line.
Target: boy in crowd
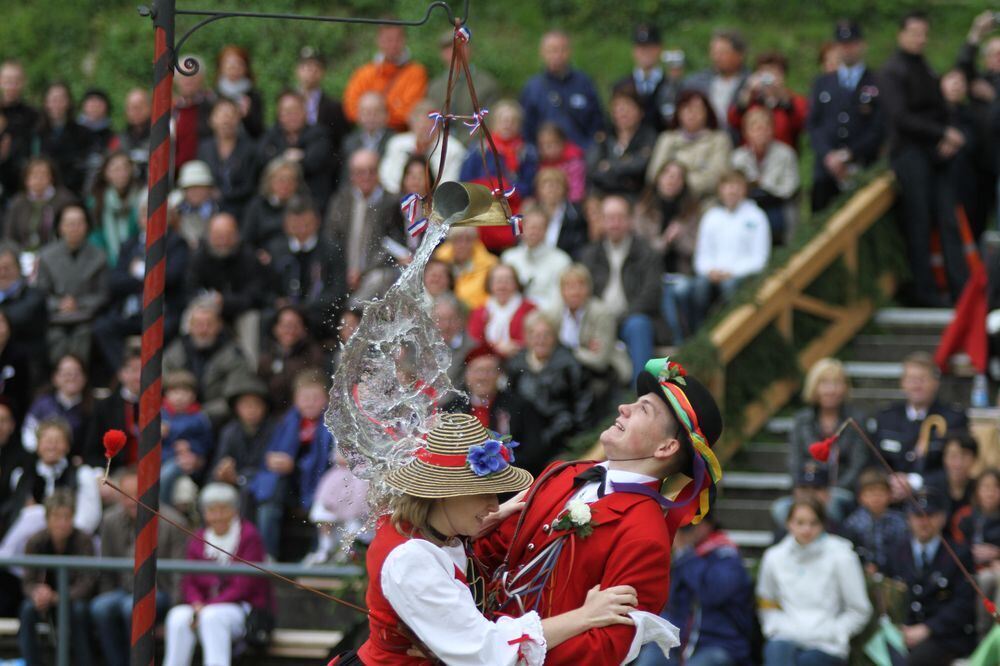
x=41, y=598
x=297, y=456
x=244, y=439
x=874, y=528
x=187, y=432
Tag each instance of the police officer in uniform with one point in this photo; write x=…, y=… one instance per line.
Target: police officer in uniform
x=658, y=88
x=940, y=614
x=845, y=121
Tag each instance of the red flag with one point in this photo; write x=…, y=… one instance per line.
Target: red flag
x=967, y=331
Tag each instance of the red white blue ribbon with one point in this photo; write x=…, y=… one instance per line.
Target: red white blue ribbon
x=438, y=118
x=507, y=194
x=477, y=121
x=463, y=34
x=410, y=205
x=418, y=227
x=515, y=224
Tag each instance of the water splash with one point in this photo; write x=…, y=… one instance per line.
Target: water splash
x=393, y=372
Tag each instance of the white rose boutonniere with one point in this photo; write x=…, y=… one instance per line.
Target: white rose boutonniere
x=576, y=517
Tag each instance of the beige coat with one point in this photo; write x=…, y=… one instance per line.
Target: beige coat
x=706, y=158
x=598, y=350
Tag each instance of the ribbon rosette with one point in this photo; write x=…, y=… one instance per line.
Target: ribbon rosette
x=576, y=517
x=491, y=456
x=673, y=372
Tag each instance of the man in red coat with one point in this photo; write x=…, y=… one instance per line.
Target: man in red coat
x=589, y=524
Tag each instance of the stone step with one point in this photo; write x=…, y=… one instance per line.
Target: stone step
x=911, y=319
x=751, y=541
x=761, y=457
x=894, y=347
x=746, y=514
x=766, y=486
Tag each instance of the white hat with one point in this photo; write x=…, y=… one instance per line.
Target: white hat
x=194, y=174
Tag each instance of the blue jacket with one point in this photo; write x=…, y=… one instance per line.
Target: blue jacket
x=712, y=598
x=194, y=427
x=570, y=102
x=473, y=169
x=309, y=468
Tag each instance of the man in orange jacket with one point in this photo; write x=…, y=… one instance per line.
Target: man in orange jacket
x=402, y=81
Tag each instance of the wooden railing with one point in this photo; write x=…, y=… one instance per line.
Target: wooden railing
x=783, y=293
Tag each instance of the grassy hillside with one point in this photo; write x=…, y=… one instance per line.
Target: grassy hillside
x=105, y=43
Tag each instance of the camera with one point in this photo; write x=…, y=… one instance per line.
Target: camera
x=767, y=79
x=674, y=58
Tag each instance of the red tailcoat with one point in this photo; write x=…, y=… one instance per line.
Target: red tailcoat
x=630, y=545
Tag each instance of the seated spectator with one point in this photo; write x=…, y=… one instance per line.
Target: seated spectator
x=289, y=350
x=231, y=155
x=827, y=393
x=111, y=610
x=47, y=471
x=68, y=400
x=439, y=281
x=497, y=409
x=187, y=432
x=567, y=228
x=587, y=328
x=561, y=95
x=711, y=600
x=486, y=86
x=339, y=509
x=392, y=72
x=551, y=383
x=225, y=269
x=358, y=220
x=518, y=158
x=73, y=275
x=657, y=87
x=980, y=532
x=955, y=481
x=213, y=610
x=874, y=528
x=372, y=131
x=616, y=162
x=772, y=169
x=134, y=139
x=308, y=145
x=119, y=411
x=321, y=109
x=31, y=217
x=123, y=316
x=114, y=205
x=695, y=141
x=449, y=315
x=243, y=440
x=899, y=425
x=721, y=83
x=23, y=305
x=470, y=264
x=811, y=482
x=416, y=180
x=297, y=456
x=940, y=616
x=537, y=264
x=668, y=221
x=234, y=81
x=626, y=275
x=263, y=221
x=196, y=201
x=766, y=89
x=192, y=106
x=308, y=270
x=206, y=351
x=555, y=151
x=420, y=139
x=59, y=537
x=809, y=582
x=734, y=242
x=61, y=139
x=500, y=321
x=95, y=117
x=846, y=122
x=16, y=387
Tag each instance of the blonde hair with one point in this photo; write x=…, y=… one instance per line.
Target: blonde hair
x=411, y=514
x=576, y=271
x=823, y=369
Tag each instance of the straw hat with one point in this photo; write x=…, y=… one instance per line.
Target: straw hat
x=460, y=458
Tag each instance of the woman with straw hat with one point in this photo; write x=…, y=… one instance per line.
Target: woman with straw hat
x=421, y=599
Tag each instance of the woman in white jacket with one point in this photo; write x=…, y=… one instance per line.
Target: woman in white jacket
x=811, y=594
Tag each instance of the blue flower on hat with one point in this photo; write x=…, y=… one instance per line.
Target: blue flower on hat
x=491, y=456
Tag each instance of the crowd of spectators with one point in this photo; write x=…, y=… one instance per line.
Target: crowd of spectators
x=634, y=224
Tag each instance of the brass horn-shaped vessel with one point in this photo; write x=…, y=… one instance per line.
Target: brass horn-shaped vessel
x=474, y=204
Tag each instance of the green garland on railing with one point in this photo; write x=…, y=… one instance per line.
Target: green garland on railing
x=769, y=357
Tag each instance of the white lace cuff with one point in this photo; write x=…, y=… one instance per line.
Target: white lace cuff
x=527, y=637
